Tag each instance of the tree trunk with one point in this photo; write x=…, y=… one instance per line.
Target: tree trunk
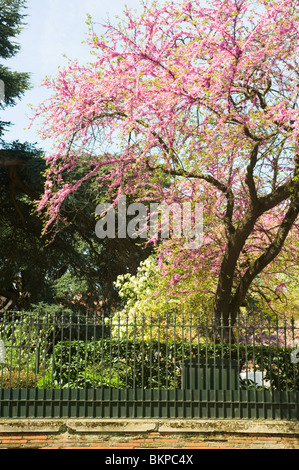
x=224, y=311
x=228, y=301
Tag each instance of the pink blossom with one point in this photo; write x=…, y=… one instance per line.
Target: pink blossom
x=190, y=91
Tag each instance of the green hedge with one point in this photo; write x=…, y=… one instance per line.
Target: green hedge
x=142, y=364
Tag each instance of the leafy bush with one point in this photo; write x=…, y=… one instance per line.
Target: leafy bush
x=27, y=337
x=153, y=364
x=147, y=307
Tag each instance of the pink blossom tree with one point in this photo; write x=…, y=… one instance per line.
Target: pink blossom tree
x=201, y=104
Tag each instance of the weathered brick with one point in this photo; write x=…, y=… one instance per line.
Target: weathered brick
x=99, y=435
x=13, y=441
x=122, y=444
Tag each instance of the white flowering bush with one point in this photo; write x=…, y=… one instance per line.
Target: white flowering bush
x=151, y=311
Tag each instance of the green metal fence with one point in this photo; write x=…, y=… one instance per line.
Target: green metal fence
x=139, y=367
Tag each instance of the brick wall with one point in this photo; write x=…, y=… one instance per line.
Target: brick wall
x=148, y=434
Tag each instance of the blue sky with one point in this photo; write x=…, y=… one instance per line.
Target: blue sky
x=54, y=28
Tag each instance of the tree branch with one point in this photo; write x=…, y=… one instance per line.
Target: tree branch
x=270, y=253
x=249, y=180
x=210, y=179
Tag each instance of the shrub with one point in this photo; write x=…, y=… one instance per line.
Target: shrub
x=144, y=364
x=18, y=379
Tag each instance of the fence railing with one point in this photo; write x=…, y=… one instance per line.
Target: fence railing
x=169, y=367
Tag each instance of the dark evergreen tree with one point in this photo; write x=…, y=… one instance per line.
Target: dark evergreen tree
x=76, y=270
x=15, y=83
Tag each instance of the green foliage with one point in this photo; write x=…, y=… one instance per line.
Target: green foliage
x=61, y=351
x=158, y=364
x=146, y=296
x=10, y=26
x=76, y=270
x=32, y=270
x=26, y=337
x=16, y=83
x=27, y=343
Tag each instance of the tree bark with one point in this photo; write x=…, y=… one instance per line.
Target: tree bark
x=223, y=297
x=227, y=303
